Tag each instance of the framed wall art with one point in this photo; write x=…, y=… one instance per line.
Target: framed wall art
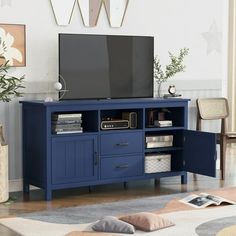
x=12, y=44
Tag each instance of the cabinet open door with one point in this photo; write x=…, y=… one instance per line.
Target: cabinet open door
x=199, y=152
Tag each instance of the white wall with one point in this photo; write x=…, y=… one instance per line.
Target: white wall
x=174, y=24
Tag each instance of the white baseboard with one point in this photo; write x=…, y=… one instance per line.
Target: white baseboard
x=16, y=185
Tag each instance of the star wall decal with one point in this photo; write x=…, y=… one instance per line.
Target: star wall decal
x=213, y=39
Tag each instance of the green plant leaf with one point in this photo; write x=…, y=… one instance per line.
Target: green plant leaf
x=9, y=85
x=176, y=65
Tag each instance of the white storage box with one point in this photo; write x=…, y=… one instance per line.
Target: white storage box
x=159, y=138
x=159, y=141
x=157, y=163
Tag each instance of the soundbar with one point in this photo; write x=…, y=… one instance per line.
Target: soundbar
x=114, y=124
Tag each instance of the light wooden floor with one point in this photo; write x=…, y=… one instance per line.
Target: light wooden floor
x=115, y=192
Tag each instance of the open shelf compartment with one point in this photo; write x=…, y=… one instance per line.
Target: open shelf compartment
x=173, y=114
x=171, y=140
x=88, y=121
x=133, y=116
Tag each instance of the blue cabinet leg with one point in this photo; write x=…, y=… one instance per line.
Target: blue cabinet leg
x=157, y=182
x=25, y=187
x=48, y=195
x=125, y=185
x=184, y=178
x=91, y=189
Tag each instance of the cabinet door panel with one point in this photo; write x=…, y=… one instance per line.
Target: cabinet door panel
x=199, y=152
x=73, y=159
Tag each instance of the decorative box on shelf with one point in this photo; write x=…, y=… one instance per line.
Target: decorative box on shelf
x=163, y=123
x=157, y=163
x=159, y=141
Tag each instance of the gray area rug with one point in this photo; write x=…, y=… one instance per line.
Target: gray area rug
x=91, y=213
x=211, y=228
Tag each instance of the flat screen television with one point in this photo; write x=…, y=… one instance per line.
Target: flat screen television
x=106, y=66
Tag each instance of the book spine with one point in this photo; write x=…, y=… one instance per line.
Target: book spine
x=65, y=122
x=67, y=126
x=164, y=125
x=72, y=115
x=67, y=129
x=69, y=132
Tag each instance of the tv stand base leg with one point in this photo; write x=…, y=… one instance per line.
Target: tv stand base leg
x=157, y=182
x=91, y=188
x=184, y=179
x=48, y=195
x=26, y=187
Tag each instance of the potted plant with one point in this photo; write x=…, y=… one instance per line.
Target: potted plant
x=175, y=66
x=10, y=86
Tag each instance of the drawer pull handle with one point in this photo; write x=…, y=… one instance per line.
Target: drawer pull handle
x=122, y=144
x=122, y=167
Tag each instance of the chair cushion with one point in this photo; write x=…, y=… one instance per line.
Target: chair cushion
x=91, y=233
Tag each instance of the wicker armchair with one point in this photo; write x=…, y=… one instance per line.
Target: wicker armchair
x=215, y=109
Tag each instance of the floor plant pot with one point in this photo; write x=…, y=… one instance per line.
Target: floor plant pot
x=4, y=193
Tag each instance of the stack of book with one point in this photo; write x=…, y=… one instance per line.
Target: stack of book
x=156, y=141
x=163, y=123
x=67, y=123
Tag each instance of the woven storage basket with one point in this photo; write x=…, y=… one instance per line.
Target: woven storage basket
x=157, y=163
x=4, y=195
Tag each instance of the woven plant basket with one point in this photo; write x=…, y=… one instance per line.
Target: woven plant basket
x=4, y=193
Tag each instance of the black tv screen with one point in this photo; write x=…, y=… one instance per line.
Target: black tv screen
x=106, y=66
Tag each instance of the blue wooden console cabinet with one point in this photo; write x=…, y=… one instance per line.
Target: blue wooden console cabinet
x=59, y=161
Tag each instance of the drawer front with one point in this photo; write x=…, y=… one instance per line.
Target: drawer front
x=121, y=143
x=118, y=167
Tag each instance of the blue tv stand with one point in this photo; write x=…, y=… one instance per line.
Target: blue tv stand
x=60, y=161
